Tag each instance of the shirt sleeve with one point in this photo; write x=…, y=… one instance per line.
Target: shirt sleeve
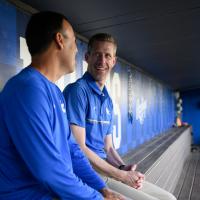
x=82, y=167
x=27, y=116
x=76, y=103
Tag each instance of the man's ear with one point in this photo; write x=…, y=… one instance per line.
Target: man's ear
x=114, y=60
x=86, y=57
x=59, y=40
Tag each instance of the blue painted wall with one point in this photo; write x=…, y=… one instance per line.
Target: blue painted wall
x=191, y=112
x=143, y=107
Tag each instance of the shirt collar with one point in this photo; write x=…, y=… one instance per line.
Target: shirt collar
x=93, y=85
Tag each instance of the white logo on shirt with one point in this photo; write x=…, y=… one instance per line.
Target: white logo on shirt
x=63, y=107
x=107, y=111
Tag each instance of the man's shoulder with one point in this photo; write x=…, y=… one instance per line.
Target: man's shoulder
x=17, y=80
x=25, y=83
x=79, y=85
x=28, y=77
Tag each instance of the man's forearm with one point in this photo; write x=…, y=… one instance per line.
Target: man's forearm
x=103, y=166
x=114, y=158
x=98, y=163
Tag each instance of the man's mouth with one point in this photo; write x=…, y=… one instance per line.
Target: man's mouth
x=100, y=68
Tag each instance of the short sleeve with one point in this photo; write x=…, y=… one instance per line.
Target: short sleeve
x=76, y=103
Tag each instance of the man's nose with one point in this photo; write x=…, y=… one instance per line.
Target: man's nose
x=102, y=59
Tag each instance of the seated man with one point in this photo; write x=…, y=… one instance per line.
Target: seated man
x=38, y=157
x=90, y=116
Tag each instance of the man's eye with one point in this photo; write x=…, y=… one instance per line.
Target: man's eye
x=108, y=56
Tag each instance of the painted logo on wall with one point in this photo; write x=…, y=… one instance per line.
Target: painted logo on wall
x=141, y=107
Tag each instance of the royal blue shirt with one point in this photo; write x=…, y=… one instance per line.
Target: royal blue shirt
x=39, y=158
x=91, y=108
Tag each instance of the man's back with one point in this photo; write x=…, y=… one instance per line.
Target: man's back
x=39, y=158
x=16, y=180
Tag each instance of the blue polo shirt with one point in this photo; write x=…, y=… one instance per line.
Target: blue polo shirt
x=39, y=158
x=91, y=108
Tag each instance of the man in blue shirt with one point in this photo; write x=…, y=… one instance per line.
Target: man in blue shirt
x=39, y=158
x=91, y=118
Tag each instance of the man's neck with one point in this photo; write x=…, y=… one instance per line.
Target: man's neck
x=100, y=84
x=46, y=67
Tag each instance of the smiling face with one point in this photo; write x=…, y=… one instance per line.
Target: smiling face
x=101, y=59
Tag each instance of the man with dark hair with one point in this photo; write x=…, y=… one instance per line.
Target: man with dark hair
x=91, y=119
x=39, y=158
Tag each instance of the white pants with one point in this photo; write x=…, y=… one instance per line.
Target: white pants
x=149, y=191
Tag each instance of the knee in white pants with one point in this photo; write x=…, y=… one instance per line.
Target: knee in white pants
x=170, y=197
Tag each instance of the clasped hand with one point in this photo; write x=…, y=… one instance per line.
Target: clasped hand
x=132, y=177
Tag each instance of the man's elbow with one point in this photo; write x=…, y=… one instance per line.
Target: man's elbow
x=108, y=149
x=84, y=148
x=43, y=175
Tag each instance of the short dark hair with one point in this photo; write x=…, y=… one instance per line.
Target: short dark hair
x=41, y=30
x=104, y=37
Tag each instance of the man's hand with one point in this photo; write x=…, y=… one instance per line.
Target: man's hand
x=132, y=177
x=131, y=167
x=109, y=194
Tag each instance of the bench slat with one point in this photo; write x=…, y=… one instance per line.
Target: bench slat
x=196, y=186
x=187, y=187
